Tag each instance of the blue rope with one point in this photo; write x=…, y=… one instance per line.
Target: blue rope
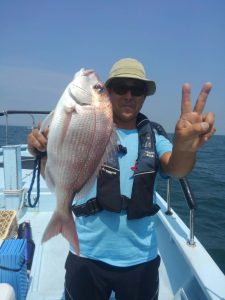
x=36, y=171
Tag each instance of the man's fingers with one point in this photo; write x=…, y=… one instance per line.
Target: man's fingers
x=45, y=132
x=197, y=129
x=201, y=101
x=208, y=135
x=209, y=118
x=38, y=140
x=204, y=127
x=186, y=101
x=35, y=144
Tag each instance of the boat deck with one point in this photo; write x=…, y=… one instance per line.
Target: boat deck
x=185, y=272
x=47, y=274
x=48, y=264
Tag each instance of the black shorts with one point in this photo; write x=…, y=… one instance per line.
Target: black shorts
x=88, y=279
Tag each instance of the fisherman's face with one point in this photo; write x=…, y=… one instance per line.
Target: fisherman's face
x=127, y=97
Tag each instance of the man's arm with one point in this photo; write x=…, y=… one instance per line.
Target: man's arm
x=192, y=131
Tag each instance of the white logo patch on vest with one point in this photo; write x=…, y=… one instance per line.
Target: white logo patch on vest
x=149, y=154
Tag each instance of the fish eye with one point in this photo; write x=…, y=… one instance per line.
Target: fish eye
x=99, y=87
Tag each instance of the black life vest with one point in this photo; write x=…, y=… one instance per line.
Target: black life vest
x=108, y=185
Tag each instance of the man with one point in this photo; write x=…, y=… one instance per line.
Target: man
x=118, y=247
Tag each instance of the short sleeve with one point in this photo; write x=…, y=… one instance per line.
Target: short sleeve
x=163, y=145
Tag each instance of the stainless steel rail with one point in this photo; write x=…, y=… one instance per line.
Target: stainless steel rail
x=22, y=112
x=188, y=194
x=6, y=113
x=192, y=206
x=185, y=186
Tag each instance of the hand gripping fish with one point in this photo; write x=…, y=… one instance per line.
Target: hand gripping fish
x=81, y=136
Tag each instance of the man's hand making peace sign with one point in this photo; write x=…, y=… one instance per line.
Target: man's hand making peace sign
x=193, y=129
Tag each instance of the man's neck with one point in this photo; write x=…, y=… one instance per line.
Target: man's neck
x=125, y=125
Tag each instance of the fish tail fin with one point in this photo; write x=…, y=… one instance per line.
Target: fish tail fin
x=65, y=226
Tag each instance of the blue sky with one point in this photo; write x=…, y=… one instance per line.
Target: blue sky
x=43, y=43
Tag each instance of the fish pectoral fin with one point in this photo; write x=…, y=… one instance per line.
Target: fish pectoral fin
x=65, y=226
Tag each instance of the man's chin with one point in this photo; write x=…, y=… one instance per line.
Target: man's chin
x=127, y=116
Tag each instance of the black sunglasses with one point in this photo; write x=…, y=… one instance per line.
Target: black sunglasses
x=122, y=88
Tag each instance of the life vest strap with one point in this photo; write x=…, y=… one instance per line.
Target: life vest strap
x=92, y=206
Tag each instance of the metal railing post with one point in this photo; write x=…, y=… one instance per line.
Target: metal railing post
x=191, y=240
x=168, y=198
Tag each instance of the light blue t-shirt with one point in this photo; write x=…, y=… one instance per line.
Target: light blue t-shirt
x=111, y=237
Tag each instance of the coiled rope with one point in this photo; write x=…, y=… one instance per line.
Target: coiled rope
x=36, y=171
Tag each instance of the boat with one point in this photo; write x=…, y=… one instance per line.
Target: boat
x=186, y=271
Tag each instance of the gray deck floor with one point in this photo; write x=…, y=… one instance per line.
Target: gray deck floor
x=47, y=275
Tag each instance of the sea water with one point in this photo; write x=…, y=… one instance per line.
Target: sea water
x=207, y=181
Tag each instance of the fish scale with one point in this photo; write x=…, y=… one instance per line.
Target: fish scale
x=81, y=136
x=77, y=141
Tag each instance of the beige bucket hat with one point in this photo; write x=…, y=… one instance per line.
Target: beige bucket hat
x=131, y=68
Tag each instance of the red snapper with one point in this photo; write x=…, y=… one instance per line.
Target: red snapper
x=81, y=136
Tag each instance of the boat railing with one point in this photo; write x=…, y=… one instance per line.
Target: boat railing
x=187, y=191
x=31, y=113
x=191, y=202
x=188, y=194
